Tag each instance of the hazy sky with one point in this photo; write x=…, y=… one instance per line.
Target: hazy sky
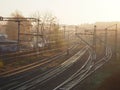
x=67, y=11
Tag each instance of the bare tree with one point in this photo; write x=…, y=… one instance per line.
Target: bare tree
x=49, y=28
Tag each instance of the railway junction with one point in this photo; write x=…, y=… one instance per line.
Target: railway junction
x=58, y=59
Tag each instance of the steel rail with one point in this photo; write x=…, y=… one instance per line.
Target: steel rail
x=31, y=83
x=59, y=56
x=82, y=75
x=38, y=62
x=69, y=82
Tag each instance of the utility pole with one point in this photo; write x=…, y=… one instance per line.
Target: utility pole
x=116, y=42
x=68, y=43
x=37, y=35
x=18, y=35
x=94, y=38
x=76, y=28
x=105, y=38
x=64, y=30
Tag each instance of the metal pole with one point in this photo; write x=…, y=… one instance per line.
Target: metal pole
x=105, y=39
x=76, y=29
x=116, y=43
x=64, y=30
x=37, y=36
x=94, y=38
x=68, y=43
x=50, y=38
x=18, y=34
x=42, y=35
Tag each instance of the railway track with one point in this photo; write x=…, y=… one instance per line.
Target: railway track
x=29, y=66
x=49, y=74
x=47, y=61
x=17, y=53
x=90, y=66
x=38, y=63
x=84, y=72
x=70, y=82
x=15, y=56
x=36, y=56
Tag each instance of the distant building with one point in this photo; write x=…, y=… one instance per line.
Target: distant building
x=7, y=45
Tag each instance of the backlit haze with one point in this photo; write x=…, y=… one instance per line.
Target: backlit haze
x=67, y=11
